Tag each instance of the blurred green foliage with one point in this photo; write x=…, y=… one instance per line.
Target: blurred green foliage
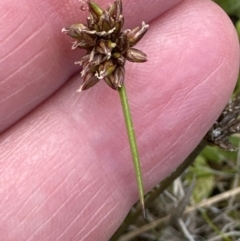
x=231, y=7
x=238, y=27
x=204, y=179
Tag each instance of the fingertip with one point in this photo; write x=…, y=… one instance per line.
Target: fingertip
x=193, y=65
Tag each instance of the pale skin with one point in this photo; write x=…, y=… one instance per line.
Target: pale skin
x=66, y=169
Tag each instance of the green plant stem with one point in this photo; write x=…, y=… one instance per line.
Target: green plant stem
x=133, y=145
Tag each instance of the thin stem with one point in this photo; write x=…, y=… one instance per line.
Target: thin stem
x=133, y=145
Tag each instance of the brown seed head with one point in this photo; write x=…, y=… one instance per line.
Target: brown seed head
x=107, y=46
x=227, y=124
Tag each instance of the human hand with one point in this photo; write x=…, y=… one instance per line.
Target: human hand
x=66, y=169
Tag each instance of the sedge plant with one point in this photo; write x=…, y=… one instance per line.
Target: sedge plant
x=108, y=47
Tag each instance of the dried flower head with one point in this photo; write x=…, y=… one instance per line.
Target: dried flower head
x=107, y=46
x=226, y=125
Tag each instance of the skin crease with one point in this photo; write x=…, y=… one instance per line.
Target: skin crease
x=66, y=171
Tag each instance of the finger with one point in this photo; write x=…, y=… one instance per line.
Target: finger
x=36, y=56
x=71, y=165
